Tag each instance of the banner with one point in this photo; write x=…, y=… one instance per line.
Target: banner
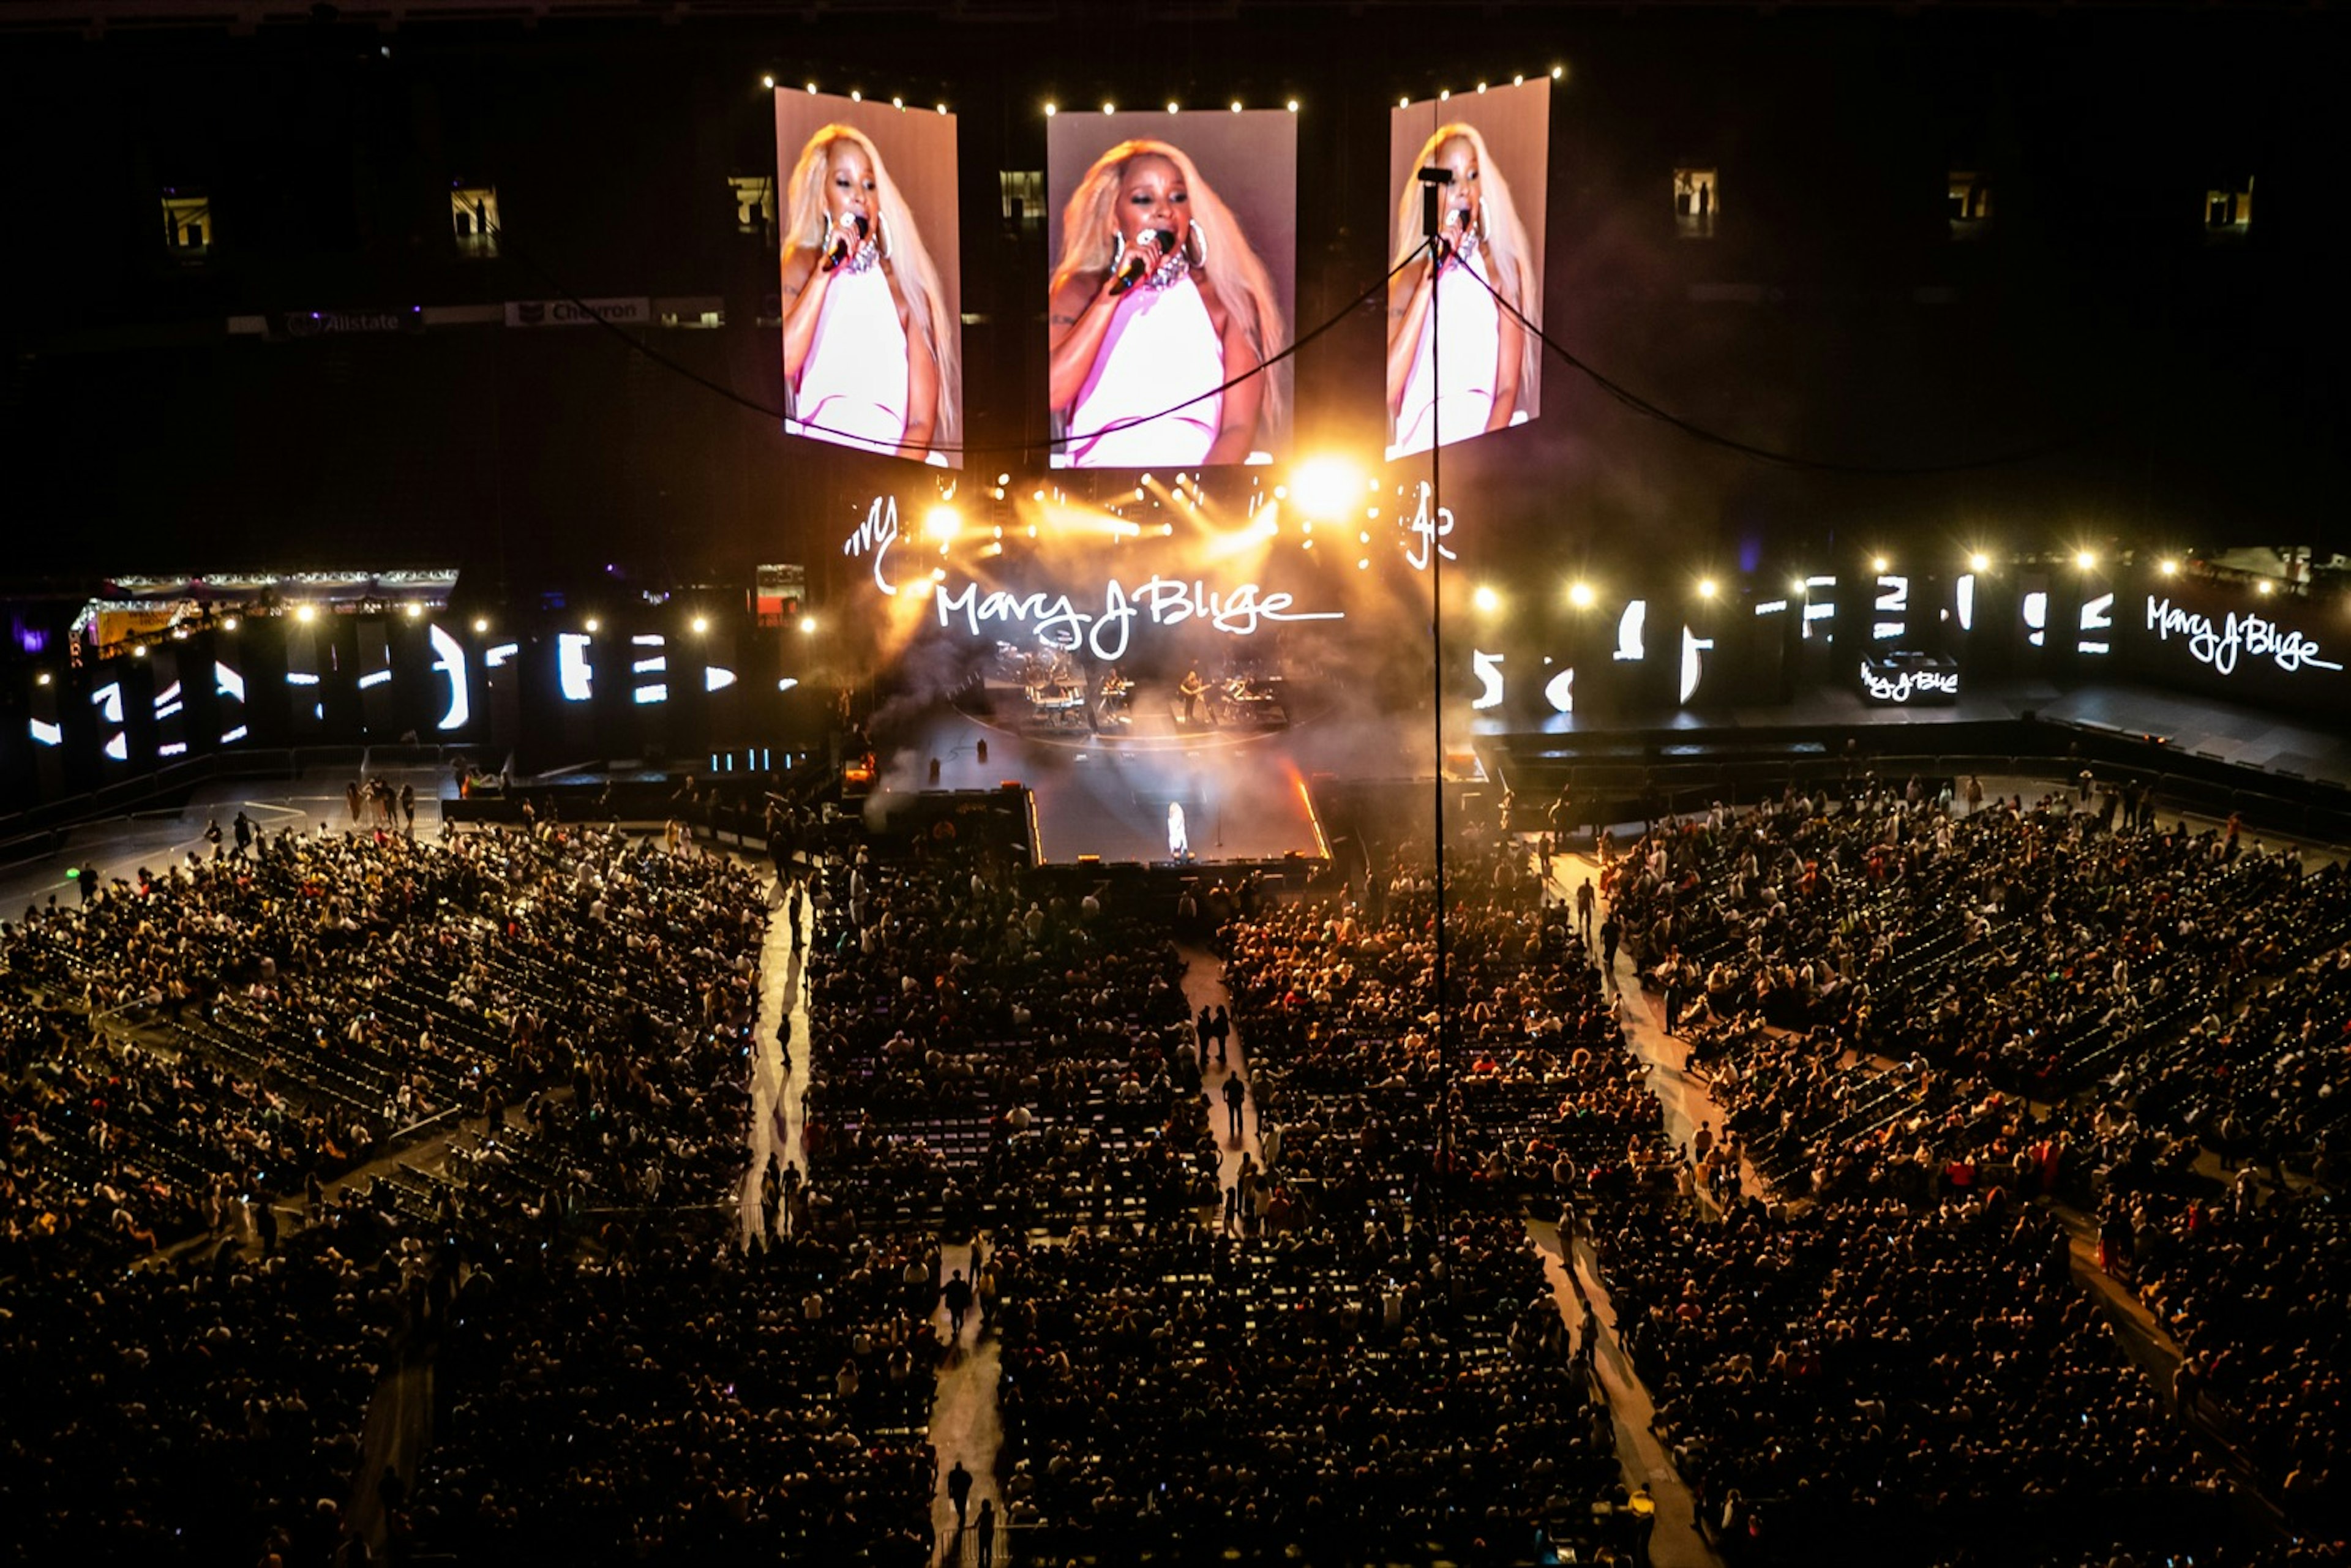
x=569, y=313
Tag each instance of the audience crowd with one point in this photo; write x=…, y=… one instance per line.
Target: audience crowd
x=1853, y=1302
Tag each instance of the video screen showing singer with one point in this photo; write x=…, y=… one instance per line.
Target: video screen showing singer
x=1159, y=297
x=1489, y=364
x=869, y=352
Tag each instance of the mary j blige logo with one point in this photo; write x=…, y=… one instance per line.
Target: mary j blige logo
x=2217, y=647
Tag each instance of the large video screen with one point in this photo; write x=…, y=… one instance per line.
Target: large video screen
x=872, y=290
x=1460, y=361
x=1174, y=239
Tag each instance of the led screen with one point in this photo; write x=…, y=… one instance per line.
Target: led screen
x=1174, y=239
x=1460, y=363
x=2232, y=641
x=872, y=291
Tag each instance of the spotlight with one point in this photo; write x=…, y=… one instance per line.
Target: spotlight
x=942, y=109
x=1109, y=108
x=1325, y=485
x=1482, y=87
x=1050, y=107
x=2085, y=559
x=415, y=611
x=898, y=103
x=701, y=624
x=1294, y=106
x=1878, y=563
x=2262, y=588
x=1004, y=478
x=768, y=83
x=1705, y=588
x=41, y=679
x=306, y=613
x=139, y=650
x=812, y=87
x=1171, y=106
x=808, y=625
x=2168, y=567
x=1798, y=587
x=856, y=95
x=593, y=625
x=481, y=624
x=228, y=624
x=1519, y=79
x=1979, y=561
x=1405, y=102
x=941, y=523
x=1557, y=72
x=1236, y=105
x=1486, y=599
x=1580, y=595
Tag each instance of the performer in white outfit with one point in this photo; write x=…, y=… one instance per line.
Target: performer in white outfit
x=1486, y=378
x=869, y=348
x=1159, y=300
x=1179, y=841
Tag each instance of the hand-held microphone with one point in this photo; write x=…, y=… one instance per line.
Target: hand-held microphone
x=1142, y=258
x=1448, y=239
x=837, y=251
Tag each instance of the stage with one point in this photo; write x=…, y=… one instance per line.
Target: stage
x=1243, y=789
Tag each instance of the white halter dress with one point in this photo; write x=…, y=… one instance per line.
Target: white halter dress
x=1452, y=401
x=853, y=381
x=1161, y=349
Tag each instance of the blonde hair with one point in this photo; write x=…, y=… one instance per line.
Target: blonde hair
x=1087, y=222
x=1509, y=258
x=902, y=245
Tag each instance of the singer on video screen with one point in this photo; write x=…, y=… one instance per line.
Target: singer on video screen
x=867, y=345
x=1488, y=357
x=1158, y=298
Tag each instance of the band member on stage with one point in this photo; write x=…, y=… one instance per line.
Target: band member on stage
x=1179, y=842
x=1490, y=359
x=1158, y=299
x=1190, y=691
x=869, y=351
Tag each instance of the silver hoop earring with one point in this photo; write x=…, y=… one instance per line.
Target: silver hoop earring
x=1199, y=236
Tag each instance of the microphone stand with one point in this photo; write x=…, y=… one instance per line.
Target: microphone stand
x=1432, y=182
